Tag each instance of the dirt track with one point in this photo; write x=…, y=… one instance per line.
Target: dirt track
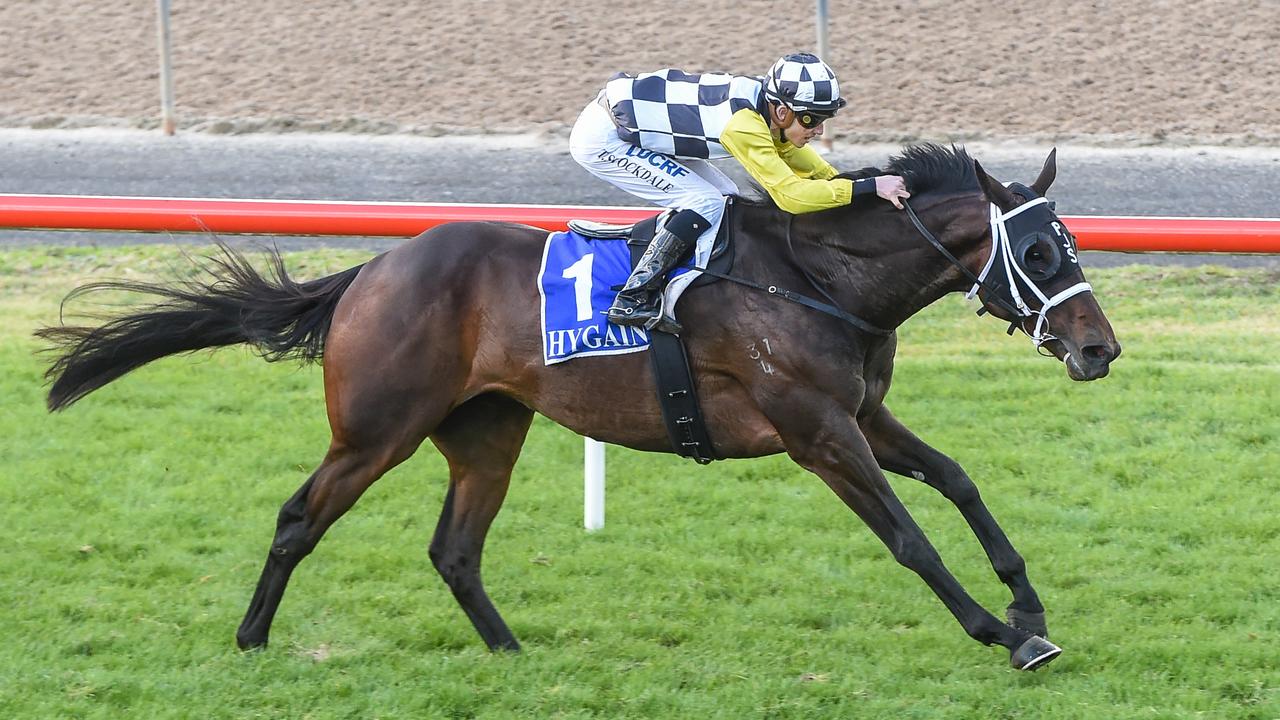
x=1139, y=72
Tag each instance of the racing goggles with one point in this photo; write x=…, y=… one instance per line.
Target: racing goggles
x=810, y=119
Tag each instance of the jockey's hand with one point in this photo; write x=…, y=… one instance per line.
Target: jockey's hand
x=892, y=188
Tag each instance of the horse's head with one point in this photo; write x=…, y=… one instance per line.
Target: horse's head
x=1033, y=280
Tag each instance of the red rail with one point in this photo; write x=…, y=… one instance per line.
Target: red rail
x=1169, y=234
x=306, y=217
x=279, y=217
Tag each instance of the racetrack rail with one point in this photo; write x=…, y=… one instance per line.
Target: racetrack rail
x=314, y=217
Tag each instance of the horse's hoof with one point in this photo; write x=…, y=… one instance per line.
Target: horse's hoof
x=1034, y=653
x=1032, y=622
x=251, y=644
x=505, y=646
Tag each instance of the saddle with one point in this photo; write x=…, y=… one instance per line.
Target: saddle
x=677, y=395
x=639, y=234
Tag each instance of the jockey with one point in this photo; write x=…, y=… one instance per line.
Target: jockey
x=653, y=134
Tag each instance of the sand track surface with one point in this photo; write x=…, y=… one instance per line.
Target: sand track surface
x=1137, y=72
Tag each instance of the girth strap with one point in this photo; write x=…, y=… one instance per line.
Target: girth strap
x=677, y=396
x=678, y=399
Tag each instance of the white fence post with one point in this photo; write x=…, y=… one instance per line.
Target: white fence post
x=166, y=70
x=822, y=29
x=823, y=50
x=593, y=484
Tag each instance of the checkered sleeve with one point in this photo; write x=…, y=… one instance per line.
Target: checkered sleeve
x=678, y=113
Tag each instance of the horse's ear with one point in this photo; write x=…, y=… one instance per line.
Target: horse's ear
x=995, y=192
x=1047, y=173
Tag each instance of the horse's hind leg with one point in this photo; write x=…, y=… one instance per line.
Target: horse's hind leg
x=481, y=440
x=376, y=426
x=898, y=450
x=330, y=491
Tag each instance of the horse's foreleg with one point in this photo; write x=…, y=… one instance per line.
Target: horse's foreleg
x=330, y=491
x=481, y=440
x=899, y=451
x=830, y=445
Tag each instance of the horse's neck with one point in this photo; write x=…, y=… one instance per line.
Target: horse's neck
x=875, y=264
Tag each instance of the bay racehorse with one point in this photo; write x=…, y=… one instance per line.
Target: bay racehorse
x=439, y=338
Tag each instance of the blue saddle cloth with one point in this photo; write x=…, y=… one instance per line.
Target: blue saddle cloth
x=576, y=283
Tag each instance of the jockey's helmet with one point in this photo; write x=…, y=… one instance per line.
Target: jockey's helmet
x=802, y=82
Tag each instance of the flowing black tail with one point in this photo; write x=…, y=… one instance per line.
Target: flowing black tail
x=233, y=304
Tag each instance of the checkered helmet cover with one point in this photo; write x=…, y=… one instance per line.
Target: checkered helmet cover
x=803, y=82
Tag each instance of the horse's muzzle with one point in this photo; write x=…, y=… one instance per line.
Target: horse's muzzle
x=1091, y=361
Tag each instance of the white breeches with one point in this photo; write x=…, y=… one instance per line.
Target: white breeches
x=677, y=183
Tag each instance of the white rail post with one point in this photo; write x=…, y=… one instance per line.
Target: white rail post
x=822, y=29
x=166, y=70
x=823, y=51
x=593, y=484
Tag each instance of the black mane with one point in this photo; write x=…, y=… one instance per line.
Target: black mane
x=928, y=167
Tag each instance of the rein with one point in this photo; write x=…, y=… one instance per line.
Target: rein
x=1000, y=242
x=830, y=308
x=992, y=292
x=1001, y=253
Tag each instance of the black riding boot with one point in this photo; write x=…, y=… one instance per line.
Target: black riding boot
x=640, y=301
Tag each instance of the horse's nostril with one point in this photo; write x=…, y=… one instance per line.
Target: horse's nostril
x=1098, y=353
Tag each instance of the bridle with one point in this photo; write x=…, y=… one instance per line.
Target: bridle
x=1036, y=227
x=1038, y=211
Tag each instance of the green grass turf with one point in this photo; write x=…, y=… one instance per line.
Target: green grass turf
x=135, y=525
